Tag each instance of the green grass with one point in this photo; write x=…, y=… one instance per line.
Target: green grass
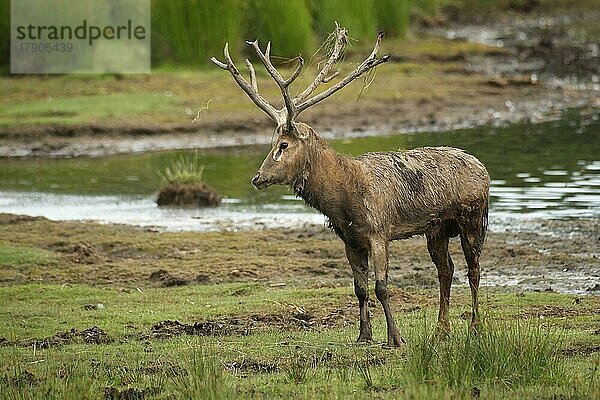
x=84, y=109
x=512, y=357
x=286, y=24
x=189, y=32
x=184, y=169
x=18, y=256
x=173, y=96
x=358, y=16
x=393, y=16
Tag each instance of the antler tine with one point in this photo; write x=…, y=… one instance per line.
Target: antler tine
x=341, y=40
x=283, y=84
x=370, y=62
x=250, y=89
x=266, y=60
x=252, y=75
x=293, y=77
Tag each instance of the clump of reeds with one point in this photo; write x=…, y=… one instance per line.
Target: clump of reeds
x=183, y=183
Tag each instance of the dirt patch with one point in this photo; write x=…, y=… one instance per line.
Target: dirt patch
x=580, y=351
x=188, y=195
x=111, y=393
x=537, y=256
x=251, y=366
x=93, y=335
x=554, y=311
x=254, y=323
x=83, y=253
x=21, y=379
x=165, y=279
x=557, y=53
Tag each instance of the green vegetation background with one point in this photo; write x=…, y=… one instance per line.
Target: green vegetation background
x=189, y=32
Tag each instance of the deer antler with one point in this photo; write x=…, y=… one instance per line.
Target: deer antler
x=284, y=85
x=250, y=89
x=294, y=106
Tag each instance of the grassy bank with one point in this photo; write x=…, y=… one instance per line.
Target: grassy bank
x=106, y=311
x=174, y=96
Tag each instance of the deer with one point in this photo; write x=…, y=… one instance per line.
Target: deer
x=375, y=198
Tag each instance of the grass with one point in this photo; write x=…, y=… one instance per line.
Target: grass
x=184, y=169
x=269, y=330
x=189, y=32
x=358, y=16
x=512, y=357
x=172, y=97
x=287, y=25
x=393, y=16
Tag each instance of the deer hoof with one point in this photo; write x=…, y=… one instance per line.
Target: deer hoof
x=364, y=338
x=442, y=331
x=395, y=341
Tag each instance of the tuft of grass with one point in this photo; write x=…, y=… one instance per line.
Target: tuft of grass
x=185, y=169
x=515, y=354
x=201, y=377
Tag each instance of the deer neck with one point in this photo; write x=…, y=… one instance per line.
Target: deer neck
x=323, y=183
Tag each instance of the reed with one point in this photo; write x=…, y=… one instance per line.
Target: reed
x=393, y=16
x=191, y=31
x=287, y=24
x=357, y=16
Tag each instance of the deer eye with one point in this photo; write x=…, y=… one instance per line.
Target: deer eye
x=283, y=145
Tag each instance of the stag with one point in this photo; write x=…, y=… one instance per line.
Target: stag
x=374, y=198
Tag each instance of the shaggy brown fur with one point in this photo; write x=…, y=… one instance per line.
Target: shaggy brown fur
x=372, y=199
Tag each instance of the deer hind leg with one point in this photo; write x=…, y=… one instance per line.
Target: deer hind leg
x=472, y=235
x=472, y=250
x=437, y=245
x=360, y=271
x=378, y=260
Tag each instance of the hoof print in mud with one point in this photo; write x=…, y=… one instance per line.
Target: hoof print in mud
x=194, y=195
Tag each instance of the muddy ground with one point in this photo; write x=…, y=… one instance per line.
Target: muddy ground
x=545, y=256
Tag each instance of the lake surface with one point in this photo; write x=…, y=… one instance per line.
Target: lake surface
x=548, y=170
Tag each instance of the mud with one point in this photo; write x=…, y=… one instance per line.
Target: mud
x=188, y=195
x=554, y=49
x=82, y=253
x=111, y=393
x=166, y=279
x=537, y=255
x=249, y=324
x=93, y=335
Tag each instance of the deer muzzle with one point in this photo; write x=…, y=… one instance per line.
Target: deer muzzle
x=259, y=182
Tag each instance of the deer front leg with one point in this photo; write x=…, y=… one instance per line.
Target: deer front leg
x=378, y=259
x=360, y=270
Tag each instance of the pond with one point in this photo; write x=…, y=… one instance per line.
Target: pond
x=549, y=170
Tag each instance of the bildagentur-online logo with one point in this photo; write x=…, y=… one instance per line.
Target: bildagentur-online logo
x=80, y=36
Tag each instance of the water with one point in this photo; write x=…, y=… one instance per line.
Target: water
x=550, y=170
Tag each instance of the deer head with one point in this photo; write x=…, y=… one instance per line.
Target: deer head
x=285, y=162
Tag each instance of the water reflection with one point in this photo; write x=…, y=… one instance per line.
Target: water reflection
x=550, y=170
